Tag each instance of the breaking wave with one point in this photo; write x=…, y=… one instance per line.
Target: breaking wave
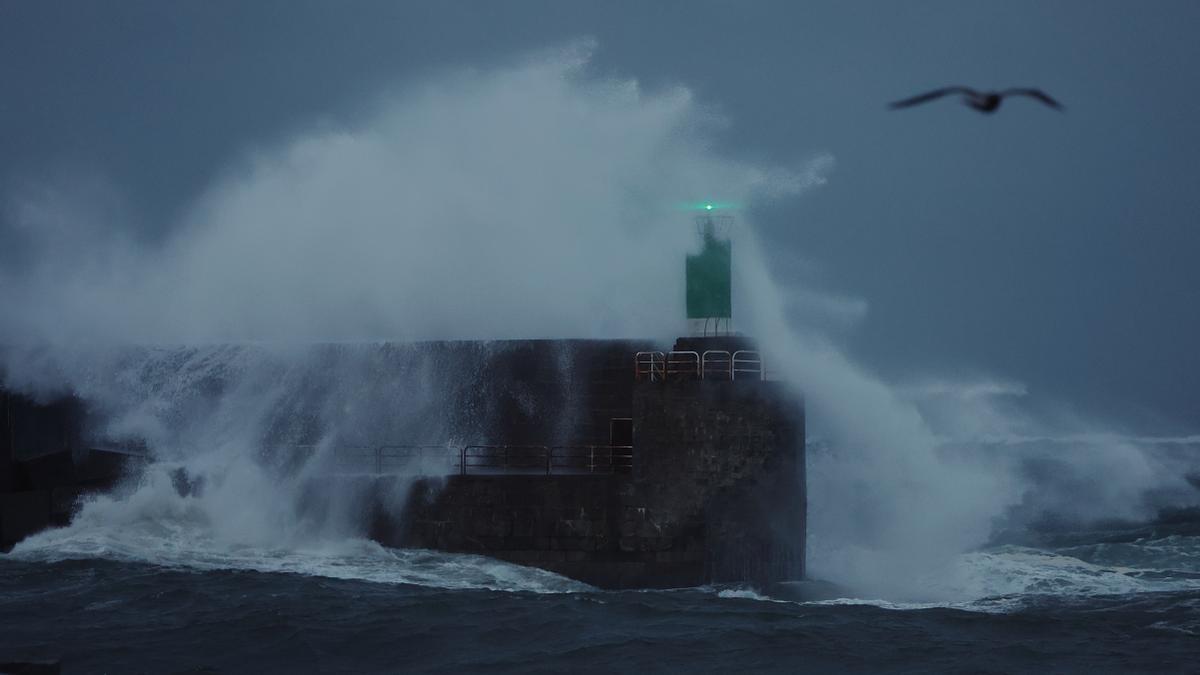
x=158, y=527
x=523, y=201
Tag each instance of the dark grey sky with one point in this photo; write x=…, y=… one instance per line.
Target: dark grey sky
x=1055, y=249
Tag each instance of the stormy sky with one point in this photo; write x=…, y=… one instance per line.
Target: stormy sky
x=1052, y=249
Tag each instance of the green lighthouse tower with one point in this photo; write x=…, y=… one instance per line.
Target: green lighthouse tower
x=709, y=277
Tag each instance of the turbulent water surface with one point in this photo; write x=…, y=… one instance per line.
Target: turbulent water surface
x=161, y=597
x=282, y=311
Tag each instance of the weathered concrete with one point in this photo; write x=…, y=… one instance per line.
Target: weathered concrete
x=22, y=514
x=716, y=495
x=728, y=457
x=44, y=490
x=44, y=466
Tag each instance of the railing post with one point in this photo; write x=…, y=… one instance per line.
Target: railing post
x=549, y=454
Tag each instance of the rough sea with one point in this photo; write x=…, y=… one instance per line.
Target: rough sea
x=265, y=568
x=161, y=596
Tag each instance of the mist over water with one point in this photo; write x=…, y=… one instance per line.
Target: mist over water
x=533, y=200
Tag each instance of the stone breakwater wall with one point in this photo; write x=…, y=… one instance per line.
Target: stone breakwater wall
x=716, y=494
x=45, y=467
x=710, y=485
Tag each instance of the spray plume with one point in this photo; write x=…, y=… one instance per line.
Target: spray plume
x=525, y=201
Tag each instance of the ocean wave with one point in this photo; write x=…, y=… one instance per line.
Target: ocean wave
x=1008, y=578
x=350, y=559
x=1011, y=578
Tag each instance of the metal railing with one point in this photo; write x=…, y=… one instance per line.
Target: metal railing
x=714, y=364
x=591, y=459
x=650, y=366
x=548, y=460
x=747, y=363
x=486, y=459
x=683, y=364
x=349, y=456
x=393, y=457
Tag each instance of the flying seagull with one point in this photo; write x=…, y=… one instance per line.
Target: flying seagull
x=983, y=101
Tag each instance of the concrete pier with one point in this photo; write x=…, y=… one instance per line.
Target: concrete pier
x=716, y=494
x=46, y=466
x=570, y=456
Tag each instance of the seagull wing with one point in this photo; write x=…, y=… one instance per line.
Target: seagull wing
x=929, y=96
x=1033, y=93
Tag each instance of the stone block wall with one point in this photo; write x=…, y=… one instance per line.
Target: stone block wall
x=45, y=466
x=725, y=459
x=716, y=495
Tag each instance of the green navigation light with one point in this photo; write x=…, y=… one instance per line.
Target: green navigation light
x=707, y=206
